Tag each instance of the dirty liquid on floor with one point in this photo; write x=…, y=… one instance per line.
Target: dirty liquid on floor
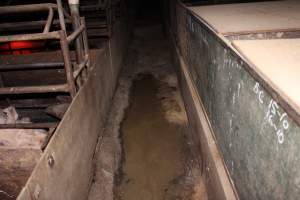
x=153, y=148
x=156, y=160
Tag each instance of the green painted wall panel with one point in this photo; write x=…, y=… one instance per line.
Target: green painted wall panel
x=259, y=141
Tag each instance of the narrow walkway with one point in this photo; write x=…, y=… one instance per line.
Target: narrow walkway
x=146, y=155
x=153, y=147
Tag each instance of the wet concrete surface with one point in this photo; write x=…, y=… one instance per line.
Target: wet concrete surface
x=145, y=153
x=153, y=148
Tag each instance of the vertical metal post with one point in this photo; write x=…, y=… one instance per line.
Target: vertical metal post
x=61, y=15
x=74, y=9
x=109, y=20
x=86, y=48
x=67, y=60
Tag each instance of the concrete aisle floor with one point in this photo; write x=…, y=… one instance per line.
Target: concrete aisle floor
x=153, y=147
x=145, y=152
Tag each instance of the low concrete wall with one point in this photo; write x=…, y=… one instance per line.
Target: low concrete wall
x=253, y=126
x=215, y=174
x=65, y=170
x=217, y=179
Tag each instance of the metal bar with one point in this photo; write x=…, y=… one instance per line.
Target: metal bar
x=4, y=10
x=26, y=25
x=31, y=8
x=48, y=137
x=80, y=67
x=49, y=21
x=2, y=85
x=74, y=9
x=61, y=15
x=29, y=125
x=21, y=25
x=33, y=36
x=86, y=49
x=32, y=103
x=75, y=34
x=109, y=21
x=97, y=24
x=34, y=89
x=85, y=38
x=68, y=17
x=67, y=61
x=98, y=32
x=98, y=6
x=228, y=34
x=52, y=65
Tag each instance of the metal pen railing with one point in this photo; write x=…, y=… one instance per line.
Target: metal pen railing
x=76, y=72
x=76, y=68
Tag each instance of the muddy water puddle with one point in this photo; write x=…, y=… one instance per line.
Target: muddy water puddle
x=153, y=148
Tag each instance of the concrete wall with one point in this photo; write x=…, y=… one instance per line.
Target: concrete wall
x=65, y=170
x=257, y=138
x=217, y=181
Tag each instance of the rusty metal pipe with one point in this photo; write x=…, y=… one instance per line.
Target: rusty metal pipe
x=85, y=38
x=4, y=10
x=61, y=15
x=11, y=67
x=29, y=125
x=80, y=67
x=16, y=26
x=33, y=36
x=75, y=34
x=49, y=21
x=86, y=49
x=34, y=89
x=68, y=65
x=74, y=9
